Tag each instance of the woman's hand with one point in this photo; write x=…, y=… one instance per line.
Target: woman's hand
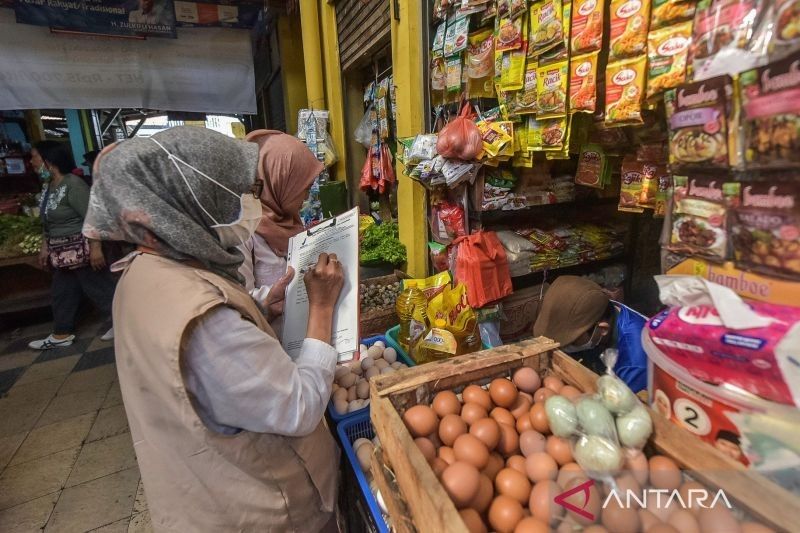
x=44, y=255
x=96, y=257
x=277, y=296
x=324, y=282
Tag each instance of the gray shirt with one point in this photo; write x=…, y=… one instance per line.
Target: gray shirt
x=66, y=206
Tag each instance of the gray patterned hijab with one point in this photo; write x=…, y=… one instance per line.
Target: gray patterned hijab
x=138, y=195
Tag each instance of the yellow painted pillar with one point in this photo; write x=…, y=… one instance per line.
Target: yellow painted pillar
x=312, y=53
x=33, y=119
x=408, y=60
x=333, y=85
x=293, y=74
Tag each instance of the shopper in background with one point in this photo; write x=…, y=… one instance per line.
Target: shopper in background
x=79, y=267
x=228, y=429
x=576, y=313
x=289, y=170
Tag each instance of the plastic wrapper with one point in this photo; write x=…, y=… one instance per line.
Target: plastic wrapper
x=512, y=77
x=365, y=129
x=630, y=20
x=666, y=12
x=460, y=138
x=431, y=285
x=509, y=34
x=625, y=85
x=587, y=26
x=668, y=55
x=455, y=38
x=552, y=89
x=583, y=83
x=423, y=149
x=547, y=26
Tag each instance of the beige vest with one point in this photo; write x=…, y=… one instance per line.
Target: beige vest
x=197, y=480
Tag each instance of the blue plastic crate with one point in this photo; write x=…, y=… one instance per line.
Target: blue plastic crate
x=401, y=356
x=357, y=427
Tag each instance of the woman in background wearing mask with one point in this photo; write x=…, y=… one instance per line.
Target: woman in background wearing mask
x=79, y=267
x=227, y=428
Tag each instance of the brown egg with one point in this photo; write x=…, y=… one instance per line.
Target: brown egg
x=426, y=447
x=647, y=520
x=531, y=525
x=475, y=394
x=446, y=403
x=539, y=418
x=636, y=463
x=570, y=392
x=625, y=483
x=540, y=466
x=558, y=449
x=513, y=483
x=553, y=383
x=532, y=441
x=594, y=528
x=495, y=465
x=502, y=392
x=438, y=466
x=509, y=440
x=469, y=449
x=527, y=396
x=488, y=431
x=568, y=472
x=620, y=519
x=718, y=519
x=684, y=521
x=504, y=514
x=591, y=505
x=450, y=428
x=527, y=379
x=568, y=525
x=524, y=423
x=521, y=406
x=503, y=416
x=483, y=499
x=664, y=473
x=542, y=395
x=461, y=481
x=447, y=455
x=689, y=498
x=542, y=501
x=472, y=412
x=754, y=527
x=420, y=420
x=472, y=520
x=517, y=462
x=662, y=528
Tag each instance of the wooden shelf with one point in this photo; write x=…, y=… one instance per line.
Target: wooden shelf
x=537, y=277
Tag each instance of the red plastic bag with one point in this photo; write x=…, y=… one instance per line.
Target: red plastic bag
x=460, y=138
x=366, y=173
x=482, y=266
x=386, y=169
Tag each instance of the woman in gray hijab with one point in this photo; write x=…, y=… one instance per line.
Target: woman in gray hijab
x=227, y=428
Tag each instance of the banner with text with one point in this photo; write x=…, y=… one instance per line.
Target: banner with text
x=218, y=13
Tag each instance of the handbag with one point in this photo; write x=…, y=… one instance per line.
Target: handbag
x=68, y=252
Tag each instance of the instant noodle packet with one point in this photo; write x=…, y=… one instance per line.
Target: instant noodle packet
x=586, y=34
x=630, y=20
x=583, y=83
x=560, y=51
x=547, y=26
x=667, y=12
x=552, y=89
x=786, y=36
x=625, y=81
x=668, y=53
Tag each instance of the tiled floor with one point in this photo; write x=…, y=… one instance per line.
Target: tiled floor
x=66, y=458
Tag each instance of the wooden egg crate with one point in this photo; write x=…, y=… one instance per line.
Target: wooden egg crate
x=416, y=499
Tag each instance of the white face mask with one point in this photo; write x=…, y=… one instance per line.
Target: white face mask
x=233, y=233
x=595, y=338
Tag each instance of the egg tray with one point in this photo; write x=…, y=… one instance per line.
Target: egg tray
x=429, y=507
x=401, y=356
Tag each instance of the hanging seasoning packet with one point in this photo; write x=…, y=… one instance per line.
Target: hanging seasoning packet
x=631, y=176
x=547, y=27
x=561, y=50
x=455, y=38
x=525, y=102
x=666, y=12
x=587, y=26
x=552, y=88
x=438, y=75
x=507, y=151
x=625, y=81
x=668, y=54
x=517, y=8
x=583, y=83
x=592, y=166
x=509, y=34
x=553, y=132
x=630, y=20
x=437, y=50
x=453, y=74
x=480, y=64
x=534, y=134
x=513, y=75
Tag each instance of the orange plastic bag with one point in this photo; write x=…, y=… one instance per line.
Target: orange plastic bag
x=482, y=266
x=460, y=138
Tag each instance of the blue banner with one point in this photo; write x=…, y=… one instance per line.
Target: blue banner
x=155, y=18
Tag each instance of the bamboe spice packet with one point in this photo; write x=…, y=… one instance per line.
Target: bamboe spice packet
x=667, y=12
x=699, y=215
x=587, y=26
x=552, y=89
x=630, y=20
x=455, y=38
x=668, y=53
x=766, y=229
x=697, y=118
x=547, y=27
x=592, y=165
x=509, y=34
x=625, y=81
x=525, y=102
x=583, y=83
x=771, y=105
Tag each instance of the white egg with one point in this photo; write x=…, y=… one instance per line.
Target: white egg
x=375, y=351
x=381, y=364
x=341, y=406
x=358, y=442
x=390, y=354
x=380, y=343
x=362, y=390
x=397, y=365
x=340, y=394
x=355, y=368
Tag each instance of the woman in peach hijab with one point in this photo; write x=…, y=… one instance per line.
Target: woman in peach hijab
x=288, y=169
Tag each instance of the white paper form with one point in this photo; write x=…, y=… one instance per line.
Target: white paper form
x=334, y=236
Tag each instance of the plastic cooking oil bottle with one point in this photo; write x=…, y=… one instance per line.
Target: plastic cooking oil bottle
x=411, y=307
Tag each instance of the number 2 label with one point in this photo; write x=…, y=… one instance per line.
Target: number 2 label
x=692, y=416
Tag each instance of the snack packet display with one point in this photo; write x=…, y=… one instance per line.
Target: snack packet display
x=583, y=83
x=766, y=229
x=593, y=168
x=667, y=12
x=552, y=89
x=625, y=83
x=700, y=215
x=630, y=20
x=455, y=38
x=586, y=34
x=423, y=149
x=547, y=26
x=509, y=34
x=667, y=52
x=771, y=105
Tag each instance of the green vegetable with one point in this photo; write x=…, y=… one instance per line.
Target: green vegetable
x=14, y=230
x=381, y=244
